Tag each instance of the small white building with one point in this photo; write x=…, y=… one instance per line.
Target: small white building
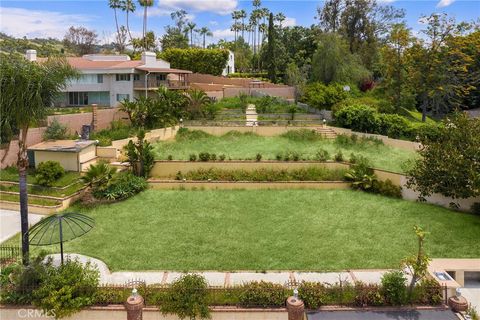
x=230, y=67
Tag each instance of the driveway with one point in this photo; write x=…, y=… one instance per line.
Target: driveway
x=384, y=315
x=10, y=223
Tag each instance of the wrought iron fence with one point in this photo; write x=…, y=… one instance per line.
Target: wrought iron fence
x=9, y=254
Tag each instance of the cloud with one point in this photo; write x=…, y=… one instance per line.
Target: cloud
x=444, y=3
x=222, y=7
x=223, y=34
x=289, y=22
x=20, y=22
x=386, y=1
x=213, y=23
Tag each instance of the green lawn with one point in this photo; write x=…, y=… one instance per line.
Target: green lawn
x=270, y=230
x=11, y=174
x=238, y=146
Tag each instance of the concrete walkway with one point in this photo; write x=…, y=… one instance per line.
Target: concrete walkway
x=10, y=223
x=226, y=279
x=383, y=315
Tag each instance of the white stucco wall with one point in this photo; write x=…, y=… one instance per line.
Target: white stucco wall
x=230, y=67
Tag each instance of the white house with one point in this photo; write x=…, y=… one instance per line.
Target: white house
x=230, y=67
x=106, y=80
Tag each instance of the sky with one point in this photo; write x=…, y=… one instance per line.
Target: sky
x=34, y=18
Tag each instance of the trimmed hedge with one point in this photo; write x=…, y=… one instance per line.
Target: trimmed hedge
x=209, y=61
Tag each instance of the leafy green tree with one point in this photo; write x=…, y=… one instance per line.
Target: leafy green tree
x=146, y=43
x=417, y=264
x=173, y=38
x=80, y=40
x=140, y=155
x=187, y=298
x=209, y=61
x=296, y=78
x=449, y=162
x=28, y=89
x=333, y=62
x=272, y=61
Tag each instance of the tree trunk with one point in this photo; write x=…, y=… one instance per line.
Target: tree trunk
x=424, y=111
x=128, y=29
x=22, y=163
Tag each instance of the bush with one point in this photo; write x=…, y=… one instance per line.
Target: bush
x=140, y=155
x=55, y=131
x=187, y=297
x=48, y=172
x=170, y=157
x=428, y=292
x=476, y=208
x=262, y=294
x=313, y=294
x=357, y=117
x=258, y=157
x=320, y=96
x=204, y=156
x=67, y=288
x=368, y=295
x=222, y=157
x=391, y=125
x=213, y=157
x=193, y=157
x=393, y=287
x=208, y=61
x=98, y=175
x=387, y=188
x=322, y=155
x=123, y=185
x=339, y=156
x=118, y=130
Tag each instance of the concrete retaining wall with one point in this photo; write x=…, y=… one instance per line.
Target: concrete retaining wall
x=149, y=313
x=322, y=185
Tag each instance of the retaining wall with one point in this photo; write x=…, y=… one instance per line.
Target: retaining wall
x=321, y=185
x=149, y=313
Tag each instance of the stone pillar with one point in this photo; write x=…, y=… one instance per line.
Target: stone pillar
x=94, y=116
x=295, y=308
x=134, y=306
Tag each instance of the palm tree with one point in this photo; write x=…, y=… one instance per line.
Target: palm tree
x=191, y=28
x=116, y=4
x=145, y=4
x=128, y=6
x=197, y=101
x=28, y=90
x=243, y=15
x=205, y=32
x=236, y=15
x=280, y=17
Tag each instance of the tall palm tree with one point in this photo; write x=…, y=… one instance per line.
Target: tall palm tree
x=197, y=101
x=236, y=15
x=191, y=28
x=204, y=31
x=280, y=17
x=116, y=4
x=128, y=6
x=145, y=4
x=28, y=90
x=243, y=15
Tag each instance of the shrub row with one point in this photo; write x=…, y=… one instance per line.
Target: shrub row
x=264, y=174
x=208, y=61
x=366, y=119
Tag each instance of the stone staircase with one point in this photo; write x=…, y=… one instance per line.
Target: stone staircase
x=327, y=132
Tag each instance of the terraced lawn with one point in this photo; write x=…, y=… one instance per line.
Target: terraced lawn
x=238, y=146
x=269, y=230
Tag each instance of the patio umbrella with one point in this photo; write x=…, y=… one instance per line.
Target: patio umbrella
x=59, y=228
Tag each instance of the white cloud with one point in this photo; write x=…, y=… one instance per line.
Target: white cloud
x=222, y=7
x=213, y=23
x=223, y=34
x=444, y=3
x=289, y=22
x=20, y=22
x=386, y=1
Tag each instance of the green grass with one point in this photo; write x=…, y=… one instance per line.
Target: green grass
x=118, y=131
x=45, y=191
x=269, y=105
x=31, y=200
x=270, y=230
x=11, y=174
x=238, y=146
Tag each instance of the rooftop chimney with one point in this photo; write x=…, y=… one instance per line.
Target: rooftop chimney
x=31, y=55
x=149, y=58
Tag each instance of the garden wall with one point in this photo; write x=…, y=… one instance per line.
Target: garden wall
x=118, y=312
x=174, y=184
x=8, y=156
x=282, y=92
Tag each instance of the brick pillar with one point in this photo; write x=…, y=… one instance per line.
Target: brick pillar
x=134, y=306
x=94, y=117
x=295, y=308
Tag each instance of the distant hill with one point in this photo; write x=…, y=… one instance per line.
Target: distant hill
x=44, y=47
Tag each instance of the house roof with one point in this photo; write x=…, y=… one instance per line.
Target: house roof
x=62, y=145
x=163, y=70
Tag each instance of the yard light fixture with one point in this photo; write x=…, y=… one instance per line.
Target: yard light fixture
x=134, y=292
x=295, y=293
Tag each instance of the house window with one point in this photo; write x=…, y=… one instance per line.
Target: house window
x=123, y=77
x=78, y=98
x=136, y=77
x=99, y=78
x=161, y=77
x=122, y=96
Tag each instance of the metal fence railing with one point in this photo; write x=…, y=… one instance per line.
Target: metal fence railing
x=9, y=254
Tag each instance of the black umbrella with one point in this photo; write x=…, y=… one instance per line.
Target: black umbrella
x=59, y=228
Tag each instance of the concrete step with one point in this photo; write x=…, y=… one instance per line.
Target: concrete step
x=326, y=132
